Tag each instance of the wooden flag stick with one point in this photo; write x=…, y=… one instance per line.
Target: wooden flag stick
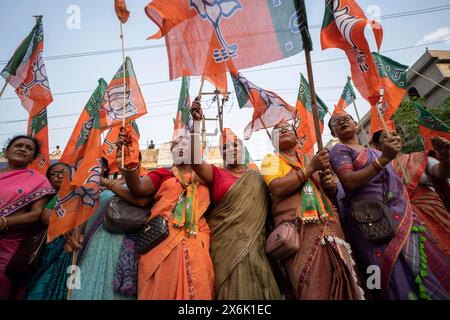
x=313, y=99
x=219, y=110
x=74, y=263
x=201, y=88
x=124, y=91
x=3, y=89
x=265, y=127
x=366, y=137
x=406, y=178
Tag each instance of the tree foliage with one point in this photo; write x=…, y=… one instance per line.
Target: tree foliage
x=408, y=127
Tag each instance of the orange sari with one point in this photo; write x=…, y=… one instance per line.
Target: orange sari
x=180, y=267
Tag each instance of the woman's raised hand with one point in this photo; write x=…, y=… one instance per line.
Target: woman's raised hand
x=391, y=149
x=196, y=109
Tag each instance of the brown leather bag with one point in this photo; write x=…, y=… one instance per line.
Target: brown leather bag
x=283, y=241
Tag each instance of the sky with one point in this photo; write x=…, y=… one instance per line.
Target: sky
x=73, y=27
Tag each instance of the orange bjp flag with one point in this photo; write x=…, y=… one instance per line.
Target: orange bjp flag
x=268, y=108
x=201, y=36
x=78, y=197
x=38, y=128
x=122, y=99
x=109, y=147
x=343, y=27
x=80, y=191
x=121, y=10
x=393, y=88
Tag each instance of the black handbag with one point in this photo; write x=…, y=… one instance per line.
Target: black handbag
x=373, y=218
x=151, y=234
x=27, y=256
x=122, y=217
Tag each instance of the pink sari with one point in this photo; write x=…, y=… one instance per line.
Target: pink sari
x=19, y=188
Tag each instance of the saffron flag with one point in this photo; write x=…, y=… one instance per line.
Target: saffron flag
x=38, y=128
x=109, y=147
x=81, y=130
x=26, y=72
x=430, y=126
x=305, y=129
x=123, y=90
x=202, y=35
x=183, y=119
x=79, y=194
x=121, y=10
x=268, y=107
x=393, y=88
x=343, y=27
x=347, y=96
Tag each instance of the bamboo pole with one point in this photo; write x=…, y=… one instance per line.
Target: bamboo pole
x=219, y=110
x=366, y=137
x=124, y=90
x=313, y=99
x=74, y=263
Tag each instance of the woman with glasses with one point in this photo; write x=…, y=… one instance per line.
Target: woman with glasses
x=237, y=221
x=47, y=282
x=23, y=195
x=302, y=190
x=392, y=247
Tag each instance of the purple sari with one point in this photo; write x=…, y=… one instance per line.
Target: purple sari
x=411, y=265
x=19, y=188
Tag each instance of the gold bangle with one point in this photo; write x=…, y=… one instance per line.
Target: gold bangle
x=4, y=224
x=305, y=173
x=377, y=165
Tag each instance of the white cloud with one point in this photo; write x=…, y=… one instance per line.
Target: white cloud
x=437, y=35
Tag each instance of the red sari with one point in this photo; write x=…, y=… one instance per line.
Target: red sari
x=428, y=204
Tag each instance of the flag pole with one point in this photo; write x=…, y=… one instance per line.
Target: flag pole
x=265, y=127
x=74, y=263
x=313, y=99
x=366, y=138
x=219, y=110
x=124, y=91
x=203, y=118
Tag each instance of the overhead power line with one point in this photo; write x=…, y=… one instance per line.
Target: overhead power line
x=315, y=26
x=246, y=71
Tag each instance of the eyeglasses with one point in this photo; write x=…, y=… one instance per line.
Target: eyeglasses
x=340, y=120
x=57, y=173
x=285, y=128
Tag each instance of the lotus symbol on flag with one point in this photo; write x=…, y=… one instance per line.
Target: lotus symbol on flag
x=345, y=23
x=111, y=147
x=89, y=194
x=381, y=104
x=114, y=103
x=84, y=134
x=39, y=77
x=213, y=11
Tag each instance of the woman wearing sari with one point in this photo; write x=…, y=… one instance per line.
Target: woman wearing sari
x=23, y=195
x=49, y=281
x=237, y=221
x=301, y=189
x=100, y=250
x=429, y=189
x=410, y=264
x=180, y=267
